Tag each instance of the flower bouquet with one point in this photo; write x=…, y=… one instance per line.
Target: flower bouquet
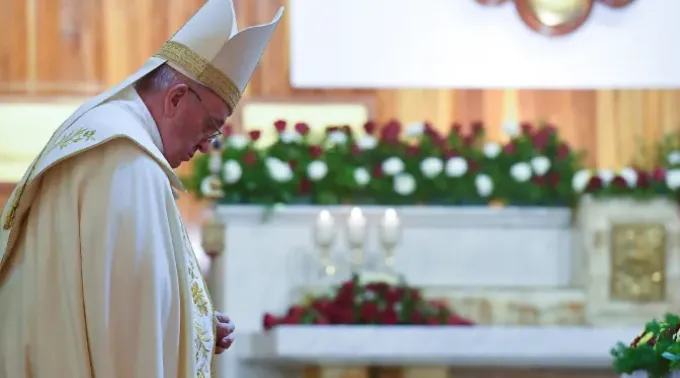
x=629, y=183
x=378, y=303
x=416, y=164
x=653, y=354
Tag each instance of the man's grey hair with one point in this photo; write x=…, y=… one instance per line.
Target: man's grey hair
x=159, y=79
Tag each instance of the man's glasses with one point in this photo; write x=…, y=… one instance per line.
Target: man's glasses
x=218, y=131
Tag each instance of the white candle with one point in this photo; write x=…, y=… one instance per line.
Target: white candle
x=324, y=228
x=356, y=227
x=390, y=227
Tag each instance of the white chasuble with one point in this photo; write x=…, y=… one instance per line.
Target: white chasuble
x=97, y=275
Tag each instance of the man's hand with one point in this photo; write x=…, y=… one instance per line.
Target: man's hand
x=225, y=333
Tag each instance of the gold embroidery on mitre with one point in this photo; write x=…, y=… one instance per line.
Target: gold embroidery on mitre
x=202, y=70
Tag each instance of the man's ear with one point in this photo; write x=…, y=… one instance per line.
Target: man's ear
x=173, y=97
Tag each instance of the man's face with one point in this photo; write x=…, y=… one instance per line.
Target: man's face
x=192, y=117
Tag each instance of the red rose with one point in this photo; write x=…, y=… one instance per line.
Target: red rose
x=321, y=306
x=370, y=127
x=269, y=321
x=595, y=183
x=458, y=321
x=249, y=158
x=254, y=135
x=456, y=128
x=527, y=128
x=391, y=131
x=619, y=182
x=659, y=174
x=477, y=128
x=345, y=296
x=394, y=295
x=540, y=139
x=413, y=150
x=368, y=311
x=388, y=316
x=315, y=151
x=553, y=178
x=377, y=171
x=510, y=148
x=280, y=125
x=450, y=152
x=340, y=315
x=644, y=180
x=302, y=128
x=563, y=151
x=417, y=317
x=305, y=186
x=228, y=130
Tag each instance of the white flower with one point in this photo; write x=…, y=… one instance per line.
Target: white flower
x=337, y=137
x=278, y=170
x=210, y=186
x=492, y=149
x=361, y=176
x=215, y=163
x=431, y=167
x=673, y=157
x=231, y=171
x=630, y=176
x=521, y=172
x=414, y=129
x=238, y=141
x=367, y=142
x=511, y=128
x=290, y=136
x=581, y=179
x=404, y=184
x=456, y=166
x=673, y=179
x=541, y=165
x=484, y=185
x=606, y=175
x=392, y=166
x=317, y=170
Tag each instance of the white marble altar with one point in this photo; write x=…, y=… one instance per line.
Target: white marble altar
x=264, y=263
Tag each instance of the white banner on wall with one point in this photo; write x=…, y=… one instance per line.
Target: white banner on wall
x=461, y=44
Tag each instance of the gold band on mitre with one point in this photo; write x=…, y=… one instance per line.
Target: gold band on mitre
x=202, y=70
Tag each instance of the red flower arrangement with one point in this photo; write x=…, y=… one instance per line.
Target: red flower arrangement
x=380, y=303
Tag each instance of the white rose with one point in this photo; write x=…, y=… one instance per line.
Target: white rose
x=456, y=167
x=361, y=176
x=431, y=167
x=541, y=165
x=238, y=141
x=673, y=157
x=414, y=129
x=484, y=185
x=491, y=149
x=231, y=171
x=215, y=163
x=521, y=172
x=278, y=170
x=630, y=176
x=317, y=170
x=606, y=175
x=392, y=166
x=404, y=184
x=581, y=179
x=673, y=179
x=290, y=136
x=367, y=142
x=511, y=128
x=337, y=137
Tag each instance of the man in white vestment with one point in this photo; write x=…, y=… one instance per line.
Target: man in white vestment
x=97, y=274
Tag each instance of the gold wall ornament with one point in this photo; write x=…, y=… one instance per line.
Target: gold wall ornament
x=556, y=17
x=213, y=236
x=638, y=262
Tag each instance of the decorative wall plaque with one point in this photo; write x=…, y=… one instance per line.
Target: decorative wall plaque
x=556, y=17
x=638, y=262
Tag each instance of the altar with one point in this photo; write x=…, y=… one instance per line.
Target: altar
x=536, y=281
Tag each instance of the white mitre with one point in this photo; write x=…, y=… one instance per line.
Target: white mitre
x=210, y=50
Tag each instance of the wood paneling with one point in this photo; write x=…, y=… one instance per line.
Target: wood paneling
x=81, y=47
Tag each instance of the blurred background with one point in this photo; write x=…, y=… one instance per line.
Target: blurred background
x=583, y=95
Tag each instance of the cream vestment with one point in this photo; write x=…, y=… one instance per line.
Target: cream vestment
x=97, y=275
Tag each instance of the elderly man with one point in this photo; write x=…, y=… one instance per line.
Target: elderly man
x=97, y=274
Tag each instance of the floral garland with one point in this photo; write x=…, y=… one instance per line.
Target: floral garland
x=355, y=303
x=655, y=351
x=392, y=164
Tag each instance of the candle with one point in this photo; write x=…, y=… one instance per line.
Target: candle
x=390, y=228
x=324, y=229
x=356, y=227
